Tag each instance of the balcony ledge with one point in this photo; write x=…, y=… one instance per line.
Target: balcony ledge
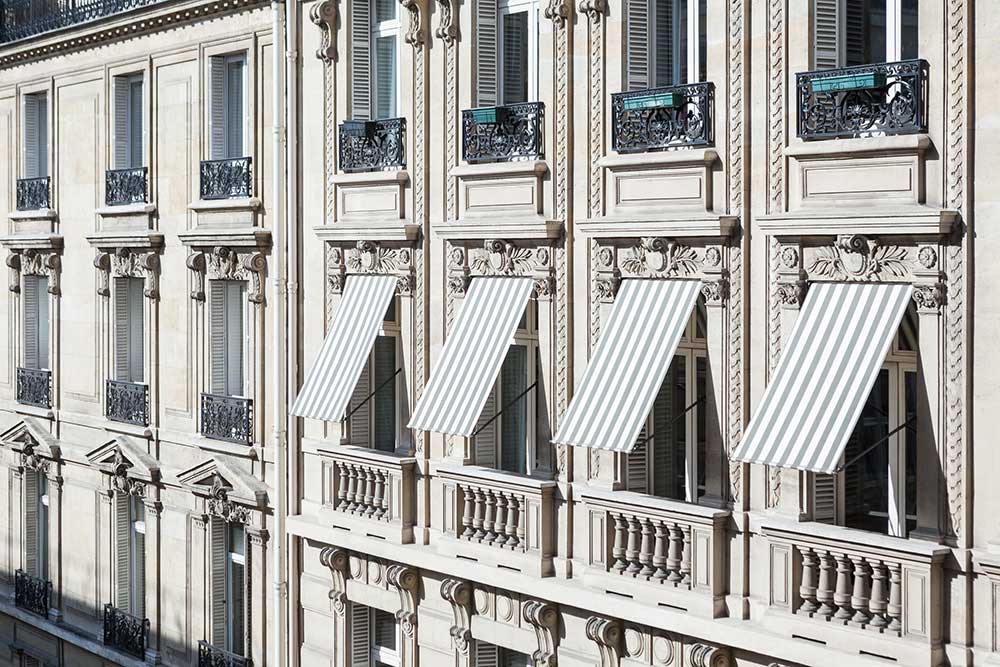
x=643, y=503
x=860, y=146
x=507, y=480
x=126, y=210
x=536, y=168
x=230, y=204
x=371, y=456
x=400, y=176
x=34, y=214
x=369, y=231
x=674, y=158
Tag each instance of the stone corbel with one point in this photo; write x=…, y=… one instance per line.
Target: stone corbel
x=196, y=263
x=446, y=30
x=544, y=619
x=792, y=282
x=414, y=35
x=594, y=9
x=458, y=271
x=458, y=594
x=102, y=262
x=14, y=264
x=607, y=634
x=145, y=265
x=336, y=559
x=324, y=14
x=706, y=655
x=557, y=11
x=406, y=581
x=227, y=264
x=34, y=262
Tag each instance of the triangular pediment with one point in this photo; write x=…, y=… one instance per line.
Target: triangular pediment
x=31, y=436
x=215, y=473
x=123, y=452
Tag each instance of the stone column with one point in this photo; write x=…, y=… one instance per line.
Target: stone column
x=259, y=593
x=544, y=459
x=154, y=510
x=404, y=442
x=715, y=292
x=55, y=541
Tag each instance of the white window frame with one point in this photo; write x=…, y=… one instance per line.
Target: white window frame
x=381, y=654
x=136, y=564
x=42, y=525
x=227, y=59
x=128, y=80
x=507, y=7
x=527, y=337
x=692, y=55
x=893, y=30
x=389, y=28
x=233, y=559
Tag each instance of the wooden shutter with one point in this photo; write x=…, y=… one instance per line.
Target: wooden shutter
x=123, y=149
x=384, y=402
x=235, y=66
x=135, y=330
x=217, y=336
x=360, y=422
x=31, y=313
x=30, y=661
x=234, y=337
x=135, y=142
x=855, y=35
x=218, y=556
x=663, y=53
x=487, y=47
x=513, y=430
x=122, y=329
x=637, y=44
x=664, y=444
x=123, y=528
x=30, y=501
x=515, y=58
x=485, y=446
x=826, y=34
x=487, y=655
x=217, y=103
x=42, y=287
x=30, y=136
x=361, y=57
x=361, y=647
x=636, y=463
x=825, y=498
x=42, y=147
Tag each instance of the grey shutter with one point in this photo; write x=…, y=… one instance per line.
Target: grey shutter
x=217, y=94
x=31, y=136
x=486, y=440
x=42, y=286
x=664, y=444
x=637, y=44
x=486, y=655
x=234, y=107
x=487, y=48
x=360, y=636
x=42, y=146
x=360, y=426
x=513, y=429
x=30, y=661
x=31, y=322
x=217, y=335
x=826, y=34
x=218, y=557
x=384, y=402
x=122, y=327
x=515, y=58
x=825, y=498
x=361, y=66
x=135, y=330
x=123, y=149
x=856, y=36
x=234, y=338
x=385, y=77
x=31, y=522
x=135, y=142
x=123, y=528
x=138, y=565
x=635, y=465
x=664, y=52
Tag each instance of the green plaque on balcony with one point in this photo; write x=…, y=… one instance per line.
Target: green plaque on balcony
x=651, y=101
x=484, y=115
x=859, y=81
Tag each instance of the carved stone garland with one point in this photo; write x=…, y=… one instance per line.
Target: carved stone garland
x=224, y=263
x=129, y=263
x=219, y=505
x=32, y=262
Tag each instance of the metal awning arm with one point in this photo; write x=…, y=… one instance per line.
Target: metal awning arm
x=907, y=424
x=368, y=397
x=673, y=421
x=500, y=412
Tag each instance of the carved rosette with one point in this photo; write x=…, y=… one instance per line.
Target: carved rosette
x=219, y=505
x=34, y=262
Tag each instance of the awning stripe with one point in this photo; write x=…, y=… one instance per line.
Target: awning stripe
x=338, y=365
x=824, y=376
x=472, y=356
x=629, y=364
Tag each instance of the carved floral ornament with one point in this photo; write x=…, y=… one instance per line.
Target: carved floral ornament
x=859, y=258
x=370, y=257
x=34, y=262
x=32, y=460
x=120, y=480
x=220, y=506
x=659, y=257
x=129, y=263
x=497, y=257
x=224, y=263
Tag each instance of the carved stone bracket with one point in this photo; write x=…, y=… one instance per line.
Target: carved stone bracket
x=544, y=619
x=34, y=262
x=406, y=581
x=220, y=506
x=414, y=35
x=128, y=263
x=120, y=480
x=607, y=634
x=929, y=298
x=32, y=460
x=446, y=30
x=557, y=11
x=337, y=560
x=324, y=14
x=458, y=594
x=223, y=263
x=594, y=9
x=705, y=655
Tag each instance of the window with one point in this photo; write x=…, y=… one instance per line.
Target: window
x=506, y=51
x=36, y=523
x=36, y=135
x=128, y=121
x=861, y=32
x=669, y=457
x=229, y=585
x=228, y=104
x=665, y=43
x=226, y=333
x=130, y=554
x=129, y=365
x=36, y=322
x=374, y=408
x=385, y=31
x=488, y=655
x=374, y=638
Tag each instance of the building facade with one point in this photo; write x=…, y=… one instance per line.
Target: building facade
x=499, y=333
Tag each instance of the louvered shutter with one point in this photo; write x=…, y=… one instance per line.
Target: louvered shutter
x=121, y=115
x=30, y=500
x=135, y=330
x=515, y=58
x=635, y=465
x=30, y=661
x=360, y=426
x=122, y=329
x=42, y=147
x=217, y=331
x=487, y=48
x=135, y=142
x=31, y=323
x=42, y=287
x=637, y=44
x=384, y=402
x=123, y=528
x=138, y=565
x=31, y=136
x=234, y=338
x=664, y=444
x=663, y=56
x=825, y=498
x=486, y=440
x=217, y=94
x=234, y=107
x=361, y=66
x=826, y=37
x=486, y=655
x=218, y=557
x=513, y=429
x=360, y=636
x=856, y=36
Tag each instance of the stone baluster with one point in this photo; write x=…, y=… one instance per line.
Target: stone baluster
x=686, y=556
x=859, y=596
x=674, y=555
x=618, y=548
x=489, y=523
x=807, y=590
x=646, y=549
x=894, y=609
x=369, y=492
x=660, y=553
x=632, y=550
x=379, y=501
x=342, y=486
x=501, y=521
x=511, y=528
x=842, y=594
x=522, y=511
x=879, y=601
x=467, y=512
x=479, y=518
x=352, y=489
x=824, y=592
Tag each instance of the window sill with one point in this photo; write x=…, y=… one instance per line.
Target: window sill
x=912, y=220
x=34, y=214
x=232, y=204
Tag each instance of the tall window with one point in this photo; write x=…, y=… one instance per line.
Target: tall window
x=374, y=638
x=385, y=32
x=860, y=32
x=227, y=327
x=130, y=554
x=665, y=43
x=129, y=365
x=374, y=413
x=489, y=655
x=128, y=121
x=506, y=44
x=228, y=106
x=36, y=322
x=669, y=458
x=229, y=585
x=36, y=135
x=36, y=523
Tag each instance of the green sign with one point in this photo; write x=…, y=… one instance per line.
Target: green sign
x=484, y=115
x=860, y=81
x=651, y=101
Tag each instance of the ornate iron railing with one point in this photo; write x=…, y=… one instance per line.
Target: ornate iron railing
x=227, y=418
x=372, y=145
x=213, y=656
x=226, y=179
x=20, y=19
x=127, y=402
x=34, y=387
x=125, y=186
x=645, y=120
x=33, y=193
x=32, y=593
x=125, y=632
x=886, y=98
x=497, y=134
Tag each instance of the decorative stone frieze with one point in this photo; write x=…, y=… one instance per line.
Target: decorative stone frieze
x=229, y=263
x=34, y=262
x=858, y=258
x=126, y=262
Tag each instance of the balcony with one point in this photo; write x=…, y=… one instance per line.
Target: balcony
x=34, y=387
x=127, y=402
x=33, y=193
x=374, y=493
x=228, y=418
x=672, y=117
x=503, y=134
x=125, y=186
x=213, y=656
x=125, y=632
x=32, y=593
x=372, y=145
x=657, y=551
x=499, y=518
x=870, y=100
x=20, y=19
x=226, y=179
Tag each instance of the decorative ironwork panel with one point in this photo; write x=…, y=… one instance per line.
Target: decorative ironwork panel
x=125, y=632
x=32, y=593
x=34, y=387
x=372, y=145
x=127, y=402
x=226, y=179
x=125, y=186
x=498, y=134
x=213, y=656
x=227, y=418
x=886, y=98
x=20, y=19
x=33, y=194
x=645, y=120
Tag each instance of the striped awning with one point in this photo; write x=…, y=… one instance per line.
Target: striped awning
x=338, y=365
x=472, y=356
x=629, y=364
x=824, y=376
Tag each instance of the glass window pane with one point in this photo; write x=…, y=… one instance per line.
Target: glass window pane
x=385, y=398
x=385, y=77
x=669, y=441
x=701, y=415
x=663, y=43
x=385, y=630
x=513, y=420
x=866, y=481
x=236, y=535
x=385, y=10
x=515, y=57
x=908, y=30
x=508, y=658
x=910, y=438
x=702, y=42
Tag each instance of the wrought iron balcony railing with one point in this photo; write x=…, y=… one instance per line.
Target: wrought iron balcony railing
x=20, y=19
x=213, y=656
x=33, y=194
x=32, y=593
x=125, y=186
x=372, y=145
x=34, y=387
x=886, y=98
x=498, y=134
x=125, y=632
x=227, y=418
x=646, y=120
x=127, y=402
x=226, y=179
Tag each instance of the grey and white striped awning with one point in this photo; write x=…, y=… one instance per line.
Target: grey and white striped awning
x=338, y=365
x=824, y=376
x=472, y=356
x=629, y=364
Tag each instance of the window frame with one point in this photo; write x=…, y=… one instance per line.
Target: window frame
x=43, y=135
x=129, y=79
x=43, y=330
x=244, y=340
x=383, y=29
x=691, y=57
x=233, y=560
x=228, y=56
x=43, y=504
x=387, y=329
x=136, y=564
x=380, y=654
x=505, y=8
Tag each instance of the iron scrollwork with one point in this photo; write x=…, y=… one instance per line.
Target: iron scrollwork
x=213, y=656
x=669, y=117
x=33, y=194
x=228, y=418
x=373, y=145
x=125, y=632
x=32, y=593
x=20, y=19
x=226, y=179
x=34, y=387
x=127, y=402
x=497, y=134
x=125, y=186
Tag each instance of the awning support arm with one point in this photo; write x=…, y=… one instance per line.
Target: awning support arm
x=368, y=397
x=907, y=424
x=676, y=418
x=500, y=412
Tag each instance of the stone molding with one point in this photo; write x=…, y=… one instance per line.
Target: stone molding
x=229, y=263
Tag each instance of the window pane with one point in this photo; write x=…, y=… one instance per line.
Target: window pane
x=135, y=123
x=908, y=30
x=663, y=43
x=385, y=10
x=385, y=630
x=910, y=438
x=513, y=420
x=702, y=42
x=42, y=552
x=385, y=398
x=385, y=77
x=866, y=481
x=510, y=658
x=669, y=441
x=515, y=58
x=236, y=539
x=701, y=415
